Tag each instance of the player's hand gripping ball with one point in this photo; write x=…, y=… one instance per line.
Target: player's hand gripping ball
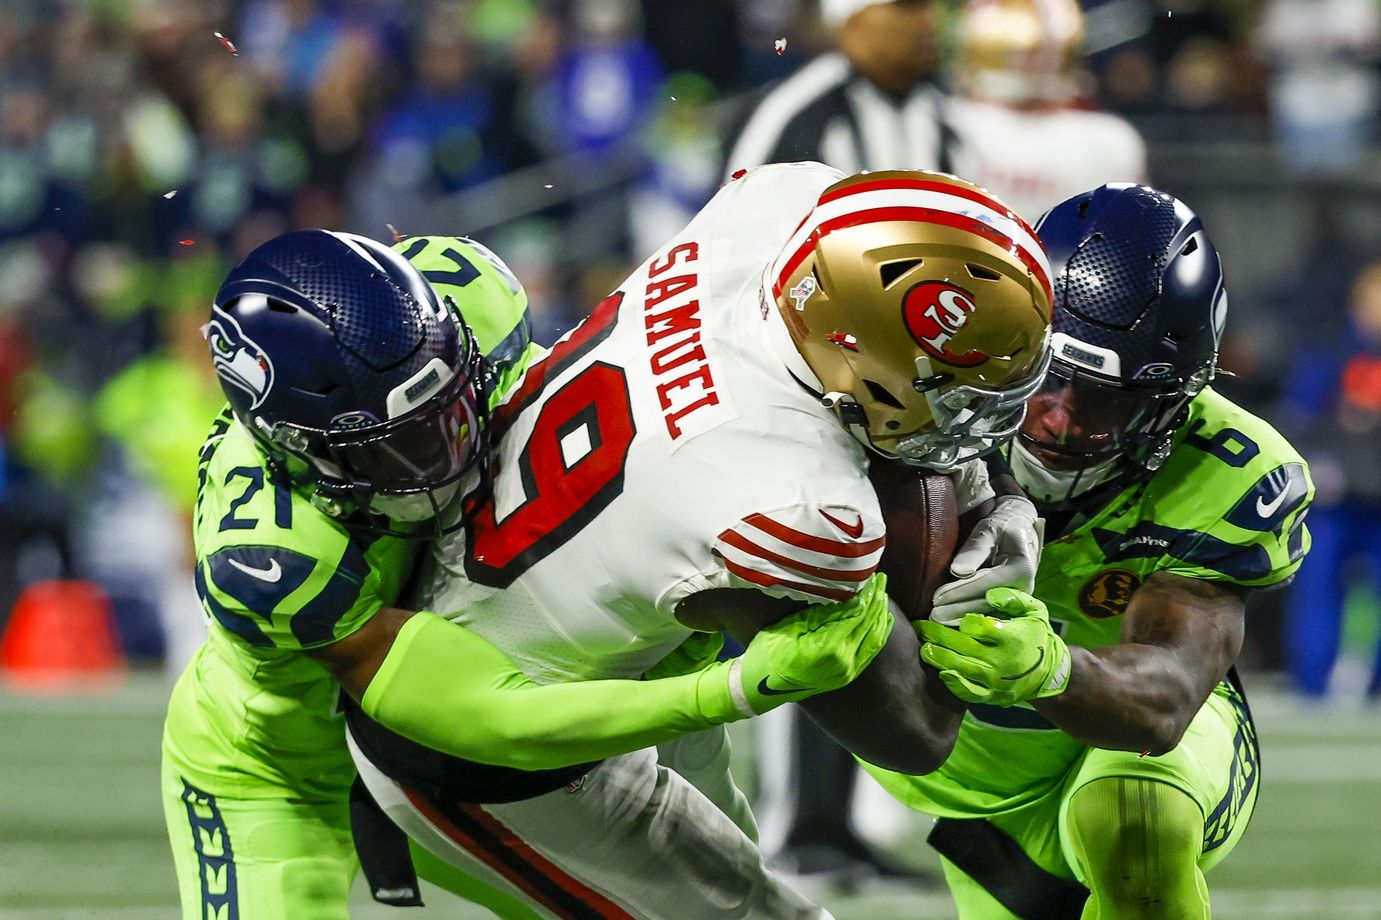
x=1003, y=551
x=819, y=649
x=1010, y=658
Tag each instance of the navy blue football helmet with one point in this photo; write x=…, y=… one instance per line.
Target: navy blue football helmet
x=360, y=385
x=1139, y=313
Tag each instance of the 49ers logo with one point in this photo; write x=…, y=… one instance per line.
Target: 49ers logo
x=934, y=312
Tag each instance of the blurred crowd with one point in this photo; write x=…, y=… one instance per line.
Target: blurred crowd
x=145, y=145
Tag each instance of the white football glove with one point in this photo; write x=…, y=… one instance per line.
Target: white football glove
x=1002, y=552
x=971, y=485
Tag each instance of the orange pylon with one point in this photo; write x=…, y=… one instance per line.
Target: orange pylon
x=61, y=636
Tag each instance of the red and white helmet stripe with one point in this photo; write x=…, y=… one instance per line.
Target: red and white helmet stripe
x=926, y=200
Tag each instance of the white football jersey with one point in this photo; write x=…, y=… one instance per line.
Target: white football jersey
x=662, y=449
x=1035, y=160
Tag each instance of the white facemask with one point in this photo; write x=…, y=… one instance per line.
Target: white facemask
x=1047, y=485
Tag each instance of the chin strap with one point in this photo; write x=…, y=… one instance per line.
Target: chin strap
x=850, y=415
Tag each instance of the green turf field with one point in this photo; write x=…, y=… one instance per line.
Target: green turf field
x=81, y=832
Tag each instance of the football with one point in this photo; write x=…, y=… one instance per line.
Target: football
x=922, y=518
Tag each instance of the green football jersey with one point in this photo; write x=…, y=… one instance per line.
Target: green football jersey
x=1227, y=505
x=252, y=715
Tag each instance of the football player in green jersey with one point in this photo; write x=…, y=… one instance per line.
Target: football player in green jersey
x=358, y=397
x=1108, y=758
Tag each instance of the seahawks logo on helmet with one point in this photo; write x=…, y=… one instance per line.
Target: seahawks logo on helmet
x=238, y=359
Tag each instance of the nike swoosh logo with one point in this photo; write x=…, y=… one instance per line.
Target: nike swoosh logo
x=768, y=691
x=854, y=530
x=270, y=574
x=1266, y=510
x=1039, y=658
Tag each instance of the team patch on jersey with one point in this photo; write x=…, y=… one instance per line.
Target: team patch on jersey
x=238, y=359
x=825, y=557
x=1108, y=593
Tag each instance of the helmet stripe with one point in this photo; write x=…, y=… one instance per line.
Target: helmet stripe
x=1034, y=261
x=999, y=218
x=929, y=185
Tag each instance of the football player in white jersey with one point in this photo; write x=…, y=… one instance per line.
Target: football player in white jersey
x=1022, y=131
x=694, y=457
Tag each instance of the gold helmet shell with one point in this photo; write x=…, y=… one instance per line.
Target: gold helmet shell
x=921, y=304
x=1019, y=52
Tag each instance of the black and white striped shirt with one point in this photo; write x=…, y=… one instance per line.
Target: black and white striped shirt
x=828, y=112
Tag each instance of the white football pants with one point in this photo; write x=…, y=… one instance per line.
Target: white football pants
x=633, y=838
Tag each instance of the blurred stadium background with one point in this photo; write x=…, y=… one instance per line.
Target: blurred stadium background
x=145, y=145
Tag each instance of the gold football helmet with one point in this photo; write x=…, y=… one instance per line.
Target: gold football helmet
x=1019, y=52
x=921, y=304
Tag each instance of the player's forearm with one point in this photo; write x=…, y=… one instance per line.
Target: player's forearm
x=449, y=689
x=896, y=714
x=1125, y=697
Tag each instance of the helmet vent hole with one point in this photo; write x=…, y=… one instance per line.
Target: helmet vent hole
x=891, y=271
x=982, y=273
x=1083, y=207
x=1189, y=247
x=880, y=394
x=279, y=306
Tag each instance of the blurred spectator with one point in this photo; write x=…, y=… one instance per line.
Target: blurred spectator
x=455, y=125
x=1325, y=89
x=606, y=82
x=1334, y=400
x=1021, y=87
x=1192, y=58
x=683, y=165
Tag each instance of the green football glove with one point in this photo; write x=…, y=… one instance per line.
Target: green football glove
x=1004, y=660
x=699, y=651
x=819, y=649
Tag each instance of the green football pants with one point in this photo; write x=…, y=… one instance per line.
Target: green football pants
x=275, y=858
x=1141, y=813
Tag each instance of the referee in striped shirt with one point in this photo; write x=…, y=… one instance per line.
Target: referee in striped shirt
x=872, y=104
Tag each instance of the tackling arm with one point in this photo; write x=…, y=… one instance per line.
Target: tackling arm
x=1179, y=637
x=446, y=687
x=895, y=714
